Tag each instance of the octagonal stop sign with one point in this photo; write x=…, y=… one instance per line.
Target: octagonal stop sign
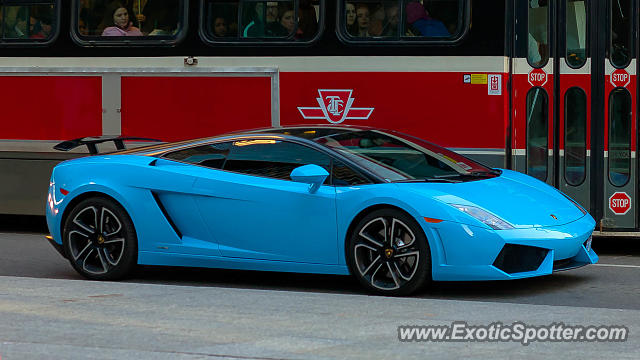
x=537, y=77
x=620, y=203
x=620, y=78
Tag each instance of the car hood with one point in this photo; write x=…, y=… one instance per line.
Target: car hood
x=519, y=199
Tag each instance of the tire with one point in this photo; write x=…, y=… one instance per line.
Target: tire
x=385, y=267
x=99, y=239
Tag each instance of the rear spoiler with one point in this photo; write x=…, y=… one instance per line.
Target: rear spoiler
x=91, y=142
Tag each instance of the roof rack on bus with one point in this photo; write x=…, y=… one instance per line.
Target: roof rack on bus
x=91, y=142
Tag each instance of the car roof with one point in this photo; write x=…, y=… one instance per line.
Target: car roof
x=304, y=132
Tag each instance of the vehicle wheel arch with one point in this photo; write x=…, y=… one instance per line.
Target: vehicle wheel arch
x=116, y=263
x=364, y=212
x=413, y=283
x=87, y=195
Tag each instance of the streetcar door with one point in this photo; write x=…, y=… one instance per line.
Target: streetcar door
x=617, y=131
x=574, y=102
x=573, y=106
x=533, y=90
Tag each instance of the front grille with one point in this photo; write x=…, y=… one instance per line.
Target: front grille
x=520, y=258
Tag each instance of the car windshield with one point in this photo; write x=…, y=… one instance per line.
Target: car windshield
x=399, y=157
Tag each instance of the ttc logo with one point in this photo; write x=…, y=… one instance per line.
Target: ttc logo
x=335, y=107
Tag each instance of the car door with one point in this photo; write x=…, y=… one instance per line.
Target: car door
x=254, y=211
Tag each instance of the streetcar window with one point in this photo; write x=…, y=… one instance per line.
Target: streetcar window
x=538, y=42
x=30, y=23
x=575, y=136
x=620, y=36
x=576, y=32
x=254, y=21
x=401, y=20
x=537, y=133
x=129, y=22
x=619, y=136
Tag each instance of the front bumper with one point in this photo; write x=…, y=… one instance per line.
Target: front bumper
x=465, y=253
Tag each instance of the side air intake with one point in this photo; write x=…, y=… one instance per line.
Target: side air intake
x=166, y=214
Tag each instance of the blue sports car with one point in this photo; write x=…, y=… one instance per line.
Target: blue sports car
x=392, y=210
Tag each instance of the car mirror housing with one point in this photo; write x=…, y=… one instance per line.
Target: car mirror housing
x=311, y=174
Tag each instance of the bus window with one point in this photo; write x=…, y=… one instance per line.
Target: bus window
x=620, y=34
x=401, y=20
x=109, y=22
x=29, y=24
x=288, y=21
x=575, y=136
x=619, y=136
x=537, y=133
x=576, y=41
x=538, y=43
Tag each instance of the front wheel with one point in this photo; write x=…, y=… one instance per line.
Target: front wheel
x=99, y=239
x=389, y=254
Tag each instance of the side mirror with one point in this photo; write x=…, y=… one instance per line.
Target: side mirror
x=311, y=174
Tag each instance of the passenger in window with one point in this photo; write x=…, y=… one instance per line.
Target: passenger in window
x=40, y=22
x=220, y=27
x=272, y=13
x=422, y=24
x=17, y=17
x=255, y=20
x=155, y=17
x=39, y=29
x=92, y=13
x=534, y=51
x=29, y=23
x=307, y=20
x=363, y=18
x=285, y=24
x=82, y=27
x=350, y=14
x=392, y=13
x=224, y=20
x=122, y=26
x=287, y=20
x=107, y=8
x=376, y=20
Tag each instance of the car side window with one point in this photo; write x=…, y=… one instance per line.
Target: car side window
x=272, y=158
x=343, y=175
x=211, y=155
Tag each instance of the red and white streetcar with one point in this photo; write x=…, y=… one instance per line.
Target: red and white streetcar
x=545, y=87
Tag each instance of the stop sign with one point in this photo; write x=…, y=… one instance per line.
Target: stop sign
x=537, y=77
x=620, y=78
x=620, y=203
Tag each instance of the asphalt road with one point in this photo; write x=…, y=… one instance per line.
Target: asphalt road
x=30, y=269
x=613, y=283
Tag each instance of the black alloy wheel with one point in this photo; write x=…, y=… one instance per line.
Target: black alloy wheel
x=389, y=254
x=99, y=239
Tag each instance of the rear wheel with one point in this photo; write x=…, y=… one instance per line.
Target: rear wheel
x=100, y=240
x=389, y=254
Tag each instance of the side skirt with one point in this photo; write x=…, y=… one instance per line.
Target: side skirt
x=218, y=262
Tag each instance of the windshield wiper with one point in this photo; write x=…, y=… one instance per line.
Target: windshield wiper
x=486, y=172
x=433, y=179
x=473, y=174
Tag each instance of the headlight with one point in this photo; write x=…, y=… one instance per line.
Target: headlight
x=484, y=216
